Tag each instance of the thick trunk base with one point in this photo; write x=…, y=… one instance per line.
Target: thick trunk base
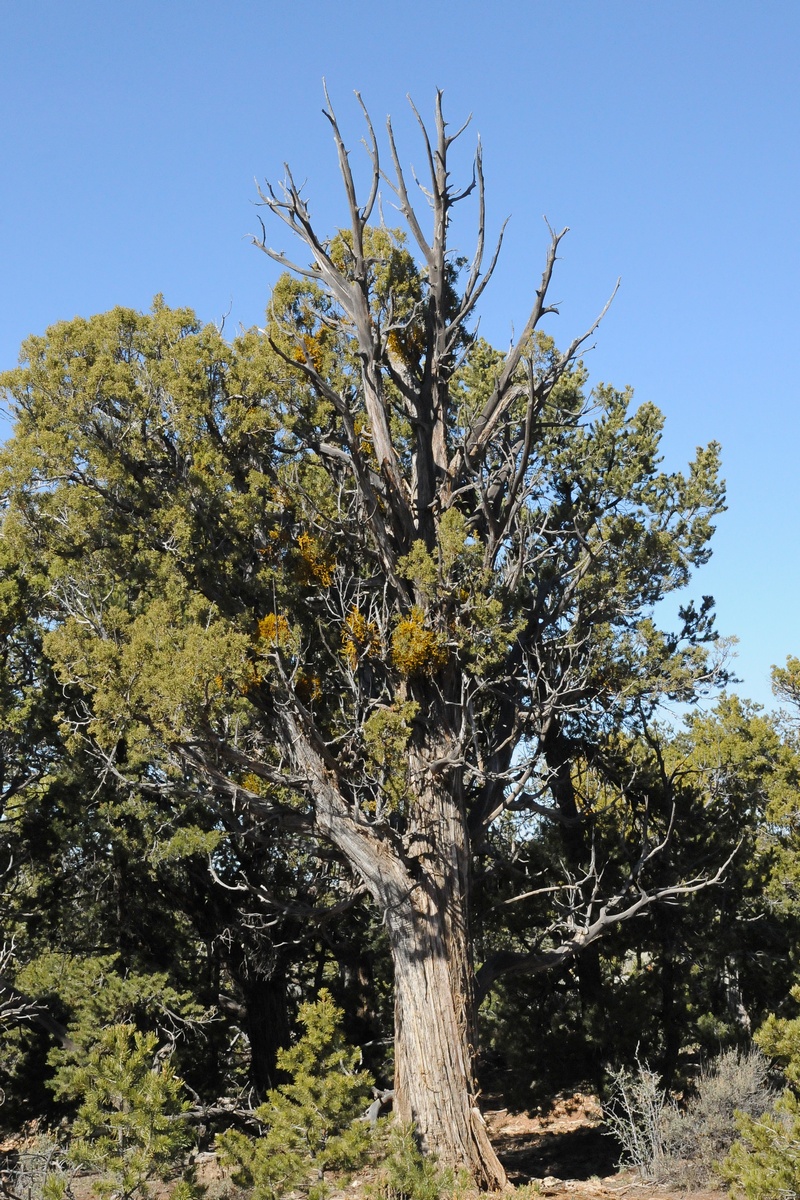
x=433, y=1052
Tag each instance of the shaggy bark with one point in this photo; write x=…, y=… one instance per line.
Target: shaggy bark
x=435, y=1029
x=434, y=1036
x=420, y=884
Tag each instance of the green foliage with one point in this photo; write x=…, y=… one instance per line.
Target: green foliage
x=184, y=489
x=779, y=1037
x=160, y=376
x=707, y=972
x=89, y=994
x=386, y=736
x=736, y=770
x=405, y=1173
x=95, y=993
x=786, y=680
x=765, y=1163
x=129, y=1125
x=310, y=1124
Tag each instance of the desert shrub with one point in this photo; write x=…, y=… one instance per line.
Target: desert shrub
x=310, y=1124
x=635, y=1115
x=40, y=1171
x=684, y=1145
x=699, y=1136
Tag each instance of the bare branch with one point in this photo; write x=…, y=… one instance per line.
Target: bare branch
x=356, y=217
x=399, y=188
x=475, y=285
x=372, y=150
x=425, y=138
x=497, y=404
x=540, y=961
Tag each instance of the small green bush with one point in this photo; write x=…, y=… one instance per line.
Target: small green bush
x=405, y=1173
x=130, y=1125
x=88, y=994
x=765, y=1163
x=311, y=1124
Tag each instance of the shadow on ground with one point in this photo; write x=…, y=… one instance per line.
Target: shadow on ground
x=569, y=1154
x=567, y=1140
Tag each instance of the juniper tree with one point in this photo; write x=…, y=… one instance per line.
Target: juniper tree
x=371, y=580
x=96, y=867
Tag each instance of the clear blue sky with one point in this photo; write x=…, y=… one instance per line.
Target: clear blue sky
x=665, y=134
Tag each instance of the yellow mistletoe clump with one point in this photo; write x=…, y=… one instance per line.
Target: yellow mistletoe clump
x=360, y=638
x=316, y=565
x=274, y=629
x=362, y=432
x=252, y=783
x=273, y=633
x=415, y=649
x=407, y=344
x=311, y=350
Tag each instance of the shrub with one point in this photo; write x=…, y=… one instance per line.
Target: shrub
x=41, y=1171
x=697, y=1138
x=405, y=1173
x=635, y=1115
x=765, y=1163
x=668, y=1144
x=129, y=1125
x=88, y=994
x=310, y=1124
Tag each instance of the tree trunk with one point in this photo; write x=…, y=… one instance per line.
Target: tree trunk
x=421, y=885
x=267, y=1028
x=577, y=853
x=434, y=1040
x=434, y=977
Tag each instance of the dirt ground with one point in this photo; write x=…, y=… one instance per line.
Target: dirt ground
x=567, y=1155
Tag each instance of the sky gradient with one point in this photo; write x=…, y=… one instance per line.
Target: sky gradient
x=665, y=135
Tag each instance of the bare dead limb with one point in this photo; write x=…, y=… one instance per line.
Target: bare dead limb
x=613, y=912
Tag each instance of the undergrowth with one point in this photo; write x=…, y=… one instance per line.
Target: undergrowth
x=684, y=1145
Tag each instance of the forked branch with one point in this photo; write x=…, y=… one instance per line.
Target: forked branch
x=614, y=911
